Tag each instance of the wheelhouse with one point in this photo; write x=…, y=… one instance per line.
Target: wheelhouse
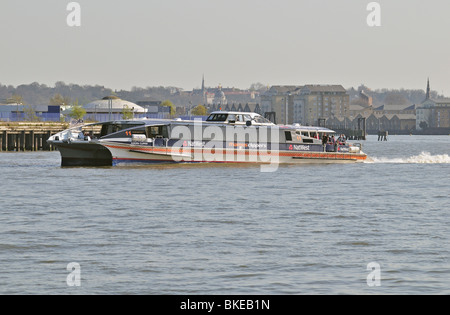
x=238, y=118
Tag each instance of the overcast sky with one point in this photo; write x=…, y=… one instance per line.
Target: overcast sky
x=143, y=43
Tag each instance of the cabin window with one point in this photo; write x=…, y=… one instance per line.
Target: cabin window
x=165, y=131
x=154, y=131
x=217, y=117
x=305, y=133
x=110, y=128
x=288, y=135
x=261, y=120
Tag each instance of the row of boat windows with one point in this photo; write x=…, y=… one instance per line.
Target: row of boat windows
x=298, y=135
x=229, y=117
x=232, y=118
x=150, y=131
x=113, y=128
x=163, y=132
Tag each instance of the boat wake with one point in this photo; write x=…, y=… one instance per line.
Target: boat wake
x=422, y=158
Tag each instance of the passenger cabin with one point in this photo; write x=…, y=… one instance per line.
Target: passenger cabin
x=159, y=133
x=238, y=118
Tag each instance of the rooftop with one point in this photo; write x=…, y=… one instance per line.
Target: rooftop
x=395, y=107
x=117, y=105
x=324, y=88
x=442, y=101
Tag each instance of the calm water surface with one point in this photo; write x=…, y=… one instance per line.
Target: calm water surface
x=230, y=230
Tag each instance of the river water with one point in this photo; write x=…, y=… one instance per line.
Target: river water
x=304, y=229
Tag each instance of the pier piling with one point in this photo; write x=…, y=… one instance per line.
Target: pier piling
x=27, y=137
x=382, y=135
x=4, y=140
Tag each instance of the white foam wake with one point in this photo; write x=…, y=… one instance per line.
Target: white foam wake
x=422, y=158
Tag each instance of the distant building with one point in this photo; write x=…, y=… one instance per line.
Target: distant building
x=279, y=98
x=153, y=106
x=219, y=97
x=149, y=101
x=433, y=113
x=395, y=110
x=112, y=104
x=394, y=118
x=19, y=112
x=359, y=110
x=305, y=104
x=224, y=96
x=365, y=98
x=323, y=102
x=399, y=117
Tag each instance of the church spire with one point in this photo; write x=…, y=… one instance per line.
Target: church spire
x=203, y=83
x=203, y=89
x=428, y=90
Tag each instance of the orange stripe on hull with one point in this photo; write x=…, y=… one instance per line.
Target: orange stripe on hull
x=293, y=154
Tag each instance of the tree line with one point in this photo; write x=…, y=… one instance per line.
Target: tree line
x=391, y=96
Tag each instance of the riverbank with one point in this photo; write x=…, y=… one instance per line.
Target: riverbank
x=28, y=136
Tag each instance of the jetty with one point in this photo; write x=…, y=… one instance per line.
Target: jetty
x=28, y=136
x=382, y=135
x=359, y=133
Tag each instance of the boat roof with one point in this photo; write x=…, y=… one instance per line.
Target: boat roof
x=313, y=128
x=235, y=113
x=156, y=121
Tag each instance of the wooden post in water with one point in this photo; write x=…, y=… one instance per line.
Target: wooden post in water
x=36, y=143
x=22, y=141
x=16, y=142
x=11, y=143
x=31, y=141
x=46, y=146
x=5, y=141
x=41, y=143
x=19, y=141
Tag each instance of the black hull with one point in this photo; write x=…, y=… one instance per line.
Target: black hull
x=84, y=154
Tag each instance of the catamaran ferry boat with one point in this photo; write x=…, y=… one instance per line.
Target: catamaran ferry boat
x=225, y=137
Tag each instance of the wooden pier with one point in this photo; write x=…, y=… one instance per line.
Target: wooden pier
x=21, y=137
x=352, y=134
x=359, y=133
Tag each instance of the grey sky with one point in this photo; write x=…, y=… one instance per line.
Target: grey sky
x=121, y=44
